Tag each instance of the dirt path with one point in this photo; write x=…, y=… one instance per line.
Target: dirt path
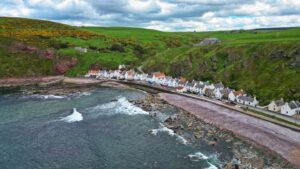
x=283, y=141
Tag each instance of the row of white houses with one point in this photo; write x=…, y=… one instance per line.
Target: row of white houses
x=287, y=108
x=218, y=90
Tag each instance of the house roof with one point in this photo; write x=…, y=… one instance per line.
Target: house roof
x=189, y=84
x=209, y=90
x=206, y=83
x=182, y=79
x=182, y=83
x=169, y=78
x=239, y=92
x=279, y=102
x=294, y=104
x=198, y=85
x=225, y=91
x=246, y=98
x=158, y=75
x=219, y=85
x=130, y=73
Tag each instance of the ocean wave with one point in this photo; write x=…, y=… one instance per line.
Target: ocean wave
x=211, y=166
x=80, y=94
x=170, y=132
x=39, y=96
x=74, y=117
x=200, y=156
x=121, y=106
x=197, y=156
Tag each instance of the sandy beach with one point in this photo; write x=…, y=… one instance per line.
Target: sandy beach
x=283, y=141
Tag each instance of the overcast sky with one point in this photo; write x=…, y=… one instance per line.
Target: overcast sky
x=165, y=15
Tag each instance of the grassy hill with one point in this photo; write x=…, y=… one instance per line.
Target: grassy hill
x=265, y=63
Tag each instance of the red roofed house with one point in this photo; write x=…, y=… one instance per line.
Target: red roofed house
x=158, y=77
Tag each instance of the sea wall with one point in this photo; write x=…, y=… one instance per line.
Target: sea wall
x=283, y=141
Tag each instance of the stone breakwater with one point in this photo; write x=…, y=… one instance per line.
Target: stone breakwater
x=284, y=142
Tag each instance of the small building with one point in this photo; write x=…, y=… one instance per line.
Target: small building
x=122, y=67
x=291, y=108
x=80, y=49
x=188, y=86
x=92, y=73
x=247, y=100
x=149, y=78
x=208, y=41
x=234, y=94
x=222, y=93
x=276, y=105
x=129, y=75
x=158, y=77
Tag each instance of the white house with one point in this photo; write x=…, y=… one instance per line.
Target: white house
x=222, y=93
x=80, y=49
x=129, y=75
x=188, y=86
x=199, y=88
x=246, y=100
x=276, y=105
x=234, y=94
x=158, y=77
x=122, y=67
x=290, y=108
x=149, y=78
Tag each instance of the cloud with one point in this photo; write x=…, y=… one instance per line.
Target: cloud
x=167, y=15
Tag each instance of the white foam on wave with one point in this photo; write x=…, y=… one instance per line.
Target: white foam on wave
x=170, y=132
x=211, y=166
x=129, y=108
x=74, y=117
x=80, y=94
x=46, y=96
x=200, y=156
x=163, y=129
x=197, y=156
x=121, y=106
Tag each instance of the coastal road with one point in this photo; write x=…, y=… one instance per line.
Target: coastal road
x=285, y=142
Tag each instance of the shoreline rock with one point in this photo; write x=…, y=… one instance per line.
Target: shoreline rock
x=244, y=153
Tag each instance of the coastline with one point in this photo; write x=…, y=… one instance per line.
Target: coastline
x=284, y=142
x=267, y=135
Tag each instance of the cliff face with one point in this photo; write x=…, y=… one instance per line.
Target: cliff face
x=269, y=71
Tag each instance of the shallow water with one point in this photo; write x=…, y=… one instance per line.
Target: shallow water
x=101, y=129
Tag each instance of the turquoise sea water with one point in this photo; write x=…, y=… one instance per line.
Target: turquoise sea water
x=95, y=130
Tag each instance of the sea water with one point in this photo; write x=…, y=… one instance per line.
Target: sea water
x=101, y=129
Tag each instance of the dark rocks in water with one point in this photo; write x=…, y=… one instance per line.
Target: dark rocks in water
x=171, y=119
x=212, y=143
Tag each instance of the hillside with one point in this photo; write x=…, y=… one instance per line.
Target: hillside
x=264, y=62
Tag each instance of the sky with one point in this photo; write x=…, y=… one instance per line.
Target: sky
x=164, y=15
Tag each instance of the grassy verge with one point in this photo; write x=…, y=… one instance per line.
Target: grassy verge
x=272, y=117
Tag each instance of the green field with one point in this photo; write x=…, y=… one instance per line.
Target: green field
x=265, y=63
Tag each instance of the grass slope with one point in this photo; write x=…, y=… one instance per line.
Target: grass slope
x=263, y=62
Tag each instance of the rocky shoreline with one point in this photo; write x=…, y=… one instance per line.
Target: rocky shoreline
x=240, y=152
